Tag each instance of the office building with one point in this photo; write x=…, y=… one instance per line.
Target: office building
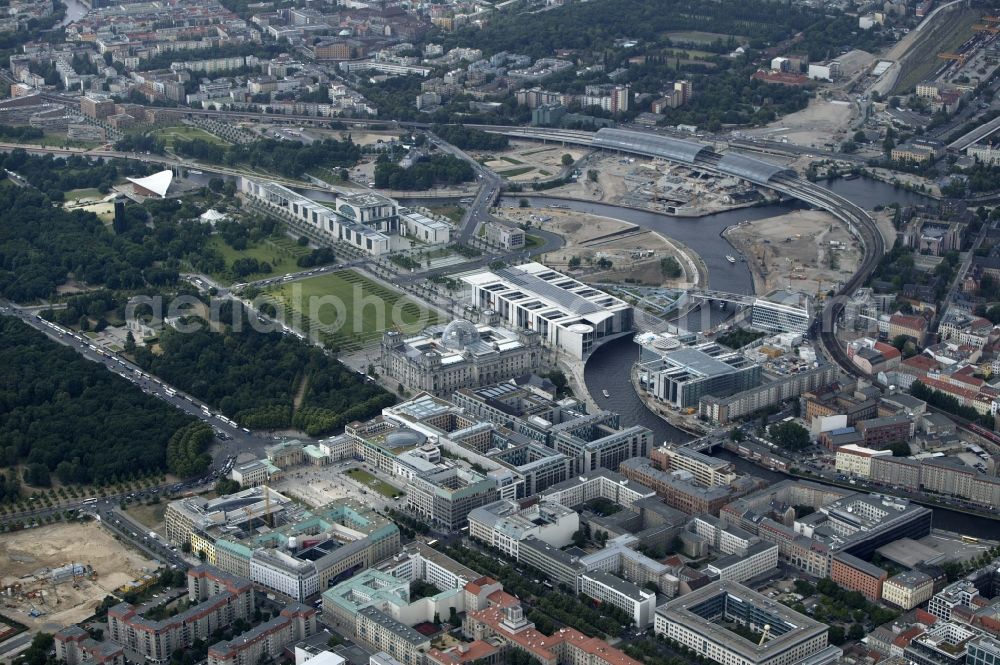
x=597, y=440
x=944, y=643
x=292, y=552
x=607, y=588
x=362, y=221
x=559, y=566
x=235, y=513
x=983, y=650
x=504, y=524
x=700, y=621
x=782, y=311
x=861, y=523
x=681, y=376
x=445, y=498
x=597, y=484
x=856, y=574
x=759, y=558
x=620, y=557
x=505, y=236
x=707, y=470
x=908, y=589
x=957, y=594
x=461, y=354
x=570, y=315
x=680, y=490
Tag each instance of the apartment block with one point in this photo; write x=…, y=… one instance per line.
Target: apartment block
x=268, y=640
x=223, y=598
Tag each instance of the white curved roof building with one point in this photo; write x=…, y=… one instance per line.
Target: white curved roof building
x=153, y=185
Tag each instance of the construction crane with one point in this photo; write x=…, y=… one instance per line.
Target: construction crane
x=765, y=634
x=957, y=57
x=267, y=505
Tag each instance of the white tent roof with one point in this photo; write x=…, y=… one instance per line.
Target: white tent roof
x=212, y=215
x=157, y=183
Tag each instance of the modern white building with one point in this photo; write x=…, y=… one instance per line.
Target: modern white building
x=782, y=311
x=597, y=484
x=413, y=224
x=608, y=588
x=682, y=375
x=855, y=460
x=362, y=221
x=759, y=558
x=281, y=572
x=153, y=186
x=571, y=315
x=504, y=524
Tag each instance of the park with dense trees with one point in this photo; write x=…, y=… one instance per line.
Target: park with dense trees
x=287, y=158
x=263, y=380
x=72, y=417
x=468, y=138
x=424, y=174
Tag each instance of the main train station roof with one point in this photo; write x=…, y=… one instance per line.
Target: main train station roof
x=750, y=168
x=676, y=150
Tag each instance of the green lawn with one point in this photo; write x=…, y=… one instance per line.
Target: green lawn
x=88, y=193
x=454, y=212
x=281, y=252
x=521, y=170
x=347, y=310
x=365, y=478
x=700, y=37
x=532, y=241
x=511, y=160
x=186, y=133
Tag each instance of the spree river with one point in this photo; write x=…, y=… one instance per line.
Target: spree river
x=608, y=368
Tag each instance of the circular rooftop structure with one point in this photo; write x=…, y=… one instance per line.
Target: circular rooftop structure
x=666, y=343
x=581, y=328
x=404, y=438
x=459, y=334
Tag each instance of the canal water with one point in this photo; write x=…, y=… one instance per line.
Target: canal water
x=609, y=366
x=74, y=11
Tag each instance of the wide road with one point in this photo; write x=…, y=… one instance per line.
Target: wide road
x=233, y=439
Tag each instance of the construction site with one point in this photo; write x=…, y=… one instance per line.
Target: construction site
x=805, y=250
x=635, y=253
x=54, y=576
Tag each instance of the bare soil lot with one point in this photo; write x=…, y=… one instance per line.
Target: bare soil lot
x=26, y=557
x=795, y=250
